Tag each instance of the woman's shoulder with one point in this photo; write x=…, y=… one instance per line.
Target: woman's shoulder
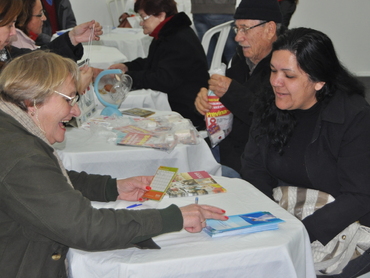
x=344, y=109
x=351, y=103
x=21, y=40
x=16, y=140
x=178, y=24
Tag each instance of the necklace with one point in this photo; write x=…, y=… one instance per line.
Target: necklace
x=4, y=55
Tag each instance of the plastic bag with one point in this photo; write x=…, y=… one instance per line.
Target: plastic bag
x=185, y=132
x=219, y=119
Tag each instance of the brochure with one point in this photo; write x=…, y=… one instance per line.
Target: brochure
x=242, y=224
x=193, y=184
x=160, y=183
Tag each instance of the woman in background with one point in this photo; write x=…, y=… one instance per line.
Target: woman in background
x=312, y=131
x=67, y=45
x=29, y=24
x=45, y=209
x=176, y=63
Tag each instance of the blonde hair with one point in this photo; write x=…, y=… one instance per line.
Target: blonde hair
x=31, y=78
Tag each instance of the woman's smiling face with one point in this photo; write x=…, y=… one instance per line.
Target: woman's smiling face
x=292, y=86
x=55, y=111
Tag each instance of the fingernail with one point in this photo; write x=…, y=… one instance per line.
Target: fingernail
x=148, y=188
x=223, y=211
x=140, y=199
x=227, y=217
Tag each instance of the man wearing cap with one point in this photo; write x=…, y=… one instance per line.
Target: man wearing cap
x=257, y=23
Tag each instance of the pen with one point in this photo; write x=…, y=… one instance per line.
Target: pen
x=135, y=205
x=196, y=200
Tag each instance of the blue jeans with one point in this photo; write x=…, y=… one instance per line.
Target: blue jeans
x=204, y=22
x=225, y=170
x=229, y=172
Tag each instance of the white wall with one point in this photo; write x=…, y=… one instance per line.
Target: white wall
x=346, y=22
x=86, y=10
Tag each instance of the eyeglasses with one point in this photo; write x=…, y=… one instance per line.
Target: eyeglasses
x=71, y=100
x=145, y=17
x=244, y=30
x=40, y=15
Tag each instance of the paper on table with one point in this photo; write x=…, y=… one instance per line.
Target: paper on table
x=243, y=224
x=161, y=182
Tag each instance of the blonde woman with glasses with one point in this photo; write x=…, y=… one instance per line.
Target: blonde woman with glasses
x=44, y=208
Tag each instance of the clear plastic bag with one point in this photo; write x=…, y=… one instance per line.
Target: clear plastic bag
x=185, y=132
x=159, y=132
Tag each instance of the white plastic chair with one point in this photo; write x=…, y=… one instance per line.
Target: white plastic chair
x=224, y=30
x=115, y=9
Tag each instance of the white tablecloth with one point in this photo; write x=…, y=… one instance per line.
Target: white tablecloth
x=144, y=98
x=130, y=41
x=103, y=56
x=83, y=150
x=283, y=253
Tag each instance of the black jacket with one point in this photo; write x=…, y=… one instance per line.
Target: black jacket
x=176, y=65
x=61, y=45
x=65, y=17
x=337, y=162
x=239, y=99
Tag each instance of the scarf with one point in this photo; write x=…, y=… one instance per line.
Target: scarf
x=156, y=31
x=25, y=120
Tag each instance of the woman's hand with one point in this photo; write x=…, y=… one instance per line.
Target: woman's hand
x=195, y=216
x=201, y=102
x=122, y=67
x=83, y=32
x=86, y=75
x=133, y=189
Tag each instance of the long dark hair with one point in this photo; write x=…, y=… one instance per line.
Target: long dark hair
x=25, y=16
x=316, y=56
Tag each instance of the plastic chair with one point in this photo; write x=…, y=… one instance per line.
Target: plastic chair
x=115, y=9
x=224, y=30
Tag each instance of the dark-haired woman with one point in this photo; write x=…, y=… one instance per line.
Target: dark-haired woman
x=312, y=131
x=29, y=24
x=67, y=45
x=176, y=63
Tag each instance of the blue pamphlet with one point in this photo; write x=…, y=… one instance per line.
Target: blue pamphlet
x=243, y=224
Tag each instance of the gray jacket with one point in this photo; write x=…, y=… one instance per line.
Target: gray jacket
x=41, y=215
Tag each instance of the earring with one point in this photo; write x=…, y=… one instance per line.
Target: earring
x=36, y=113
x=33, y=113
